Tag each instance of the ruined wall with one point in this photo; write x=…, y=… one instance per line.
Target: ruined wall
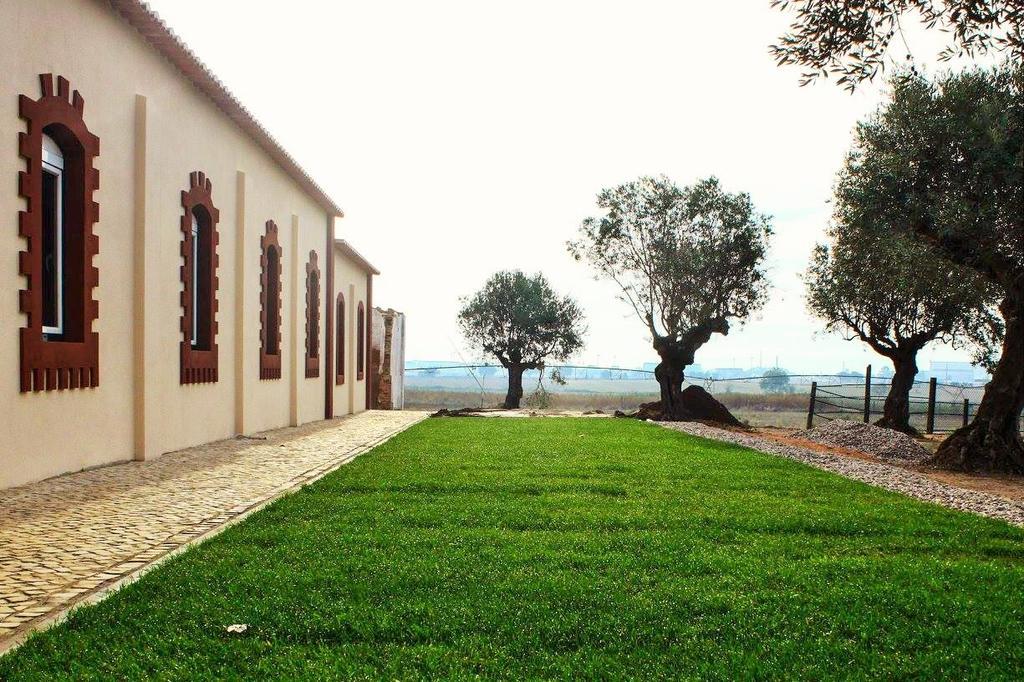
x=388, y=357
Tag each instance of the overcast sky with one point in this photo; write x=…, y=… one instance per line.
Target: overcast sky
x=466, y=137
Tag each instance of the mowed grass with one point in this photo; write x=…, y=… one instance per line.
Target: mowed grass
x=556, y=548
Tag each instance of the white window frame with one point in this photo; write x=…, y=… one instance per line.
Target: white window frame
x=195, y=280
x=53, y=164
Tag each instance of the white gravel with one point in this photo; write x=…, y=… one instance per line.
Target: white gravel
x=886, y=476
x=874, y=440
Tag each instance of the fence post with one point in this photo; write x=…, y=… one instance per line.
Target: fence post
x=967, y=410
x=929, y=425
x=810, y=407
x=867, y=394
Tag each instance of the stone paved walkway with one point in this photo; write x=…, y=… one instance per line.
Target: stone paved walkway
x=69, y=538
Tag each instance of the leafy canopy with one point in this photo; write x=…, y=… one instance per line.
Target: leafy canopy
x=683, y=258
x=849, y=39
x=776, y=380
x=897, y=295
x=521, y=321
x=947, y=156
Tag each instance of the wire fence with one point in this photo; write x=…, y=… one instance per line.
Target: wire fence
x=791, y=400
x=934, y=407
x=591, y=372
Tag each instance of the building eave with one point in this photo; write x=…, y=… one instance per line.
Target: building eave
x=347, y=250
x=152, y=28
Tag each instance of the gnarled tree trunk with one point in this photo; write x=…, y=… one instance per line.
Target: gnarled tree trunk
x=676, y=355
x=694, y=403
x=670, y=380
x=896, y=412
x=992, y=442
x=515, y=387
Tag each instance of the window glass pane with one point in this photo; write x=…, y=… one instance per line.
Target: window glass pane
x=360, y=333
x=273, y=301
x=52, y=256
x=314, y=318
x=340, y=360
x=195, y=281
x=52, y=155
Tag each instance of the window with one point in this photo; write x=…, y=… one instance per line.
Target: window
x=360, y=341
x=339, y=372
x=312, y=317
x=199, y=281
x=53, y=237
x=272, y=346
x=59, y=349
x=196, y=271
x=270, y=304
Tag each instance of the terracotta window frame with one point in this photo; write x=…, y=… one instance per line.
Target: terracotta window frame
x=313, y=286
x=70, y=360
x=270, y=303
x=199, y=358
x=339, y=371
x=360, y=342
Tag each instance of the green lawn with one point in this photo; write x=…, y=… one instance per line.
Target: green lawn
x=593, y=548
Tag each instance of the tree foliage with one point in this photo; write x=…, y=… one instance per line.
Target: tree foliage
x=521, y=321
x=776, y=380
x=687, y=260
x=897, y=295
x=947, y=157
x=682, y=257
x=850, y=39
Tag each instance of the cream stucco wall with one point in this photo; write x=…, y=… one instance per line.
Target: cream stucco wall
x=154, y=129
x=350, y=280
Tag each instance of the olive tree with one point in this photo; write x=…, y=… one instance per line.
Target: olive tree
x=897, y=296
x=850, y=39
x=776, y=380
x=522, y=322
x=947, y=157
x=688, y=260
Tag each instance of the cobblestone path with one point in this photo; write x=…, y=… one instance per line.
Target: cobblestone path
x=70, y=538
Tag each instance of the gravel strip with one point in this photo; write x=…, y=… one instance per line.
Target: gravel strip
x=885, y=444
x=885, y=476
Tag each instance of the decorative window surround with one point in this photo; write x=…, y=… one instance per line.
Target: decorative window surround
x=199, y=299
x=270, y=303
x=69, y=360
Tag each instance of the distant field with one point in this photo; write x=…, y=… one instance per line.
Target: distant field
x=756, y=409
x=427, y=399
x=743, y=397
x=417, y=381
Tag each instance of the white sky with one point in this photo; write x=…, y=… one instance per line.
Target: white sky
x=464, y=137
